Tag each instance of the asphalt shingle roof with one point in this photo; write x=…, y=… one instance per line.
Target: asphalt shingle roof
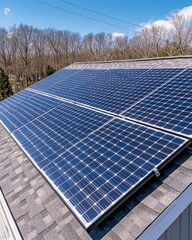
x=41, y=214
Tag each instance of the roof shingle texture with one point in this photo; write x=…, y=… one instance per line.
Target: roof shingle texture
x=40, y=213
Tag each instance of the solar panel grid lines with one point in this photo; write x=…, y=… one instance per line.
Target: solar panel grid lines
x=9, y=105
x=100, y=99
x=76, y=103
x=66, y=94
x=140, y=100
x=54, y=78
x=69, y=166
x=15, y=100
x=169, y=108
x=54, y=132
x=116, y=89
x=84, y=137
x=116, y=166
x=45, y=176
x=27, y=110
x=70, y=82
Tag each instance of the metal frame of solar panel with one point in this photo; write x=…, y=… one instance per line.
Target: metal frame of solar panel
x=93, y=160
x=168, y=108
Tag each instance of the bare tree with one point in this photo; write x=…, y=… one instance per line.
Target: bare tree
x=158, y=39
x=87, y=47
x=5, y=49
x=122, y=48
x=39, y=58
x=182, y=32
x=54, y=45
x=142, y=43
x=23, y=36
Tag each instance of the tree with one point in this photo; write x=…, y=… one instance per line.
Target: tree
x=24, y=38
x=5, y=87
x=182, y=32
x=49, y=70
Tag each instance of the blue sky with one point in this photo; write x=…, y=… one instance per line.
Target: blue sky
x=39, y=15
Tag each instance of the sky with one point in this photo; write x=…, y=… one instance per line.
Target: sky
x=65, y=15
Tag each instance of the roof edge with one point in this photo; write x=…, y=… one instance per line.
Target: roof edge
x=164, y=221
x=138, y=59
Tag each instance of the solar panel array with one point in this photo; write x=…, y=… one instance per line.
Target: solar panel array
x=111, y=90
x=70, y=125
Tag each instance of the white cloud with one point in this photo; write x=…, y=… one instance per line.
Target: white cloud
x=159, y=23
x=166, y=23
x=7, y=10
x=117, y=35
x=163, y=23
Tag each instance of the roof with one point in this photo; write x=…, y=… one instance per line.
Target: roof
x=40, y=213
x=163, y=62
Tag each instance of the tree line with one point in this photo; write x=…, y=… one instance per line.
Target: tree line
x=27, y=54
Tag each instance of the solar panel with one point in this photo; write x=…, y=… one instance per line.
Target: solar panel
x=64, y=84
x=99, y=169
x=169, y=108
x=95, y=160
x=113, y=90
x=25, y=107
x=14, y=100
x=49, y=135
x=54, y=78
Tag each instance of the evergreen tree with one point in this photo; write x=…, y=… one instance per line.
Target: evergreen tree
x=49, y=70
x=5, y=87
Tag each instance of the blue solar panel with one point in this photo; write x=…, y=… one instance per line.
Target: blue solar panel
x=113, y=90
x=98, y=170
x=66, y=84
x=95, y=160
x=20, y=109
x=61, y=75
x=49, y=135
x=169, y=108
x=14, y=100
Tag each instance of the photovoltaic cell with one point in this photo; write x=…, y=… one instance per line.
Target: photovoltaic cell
x=16, y=99
x=170, y=107
x=114, y=90
x=20, y=110
x=66, y=84
x=49, y=135
x=61, y=75
x=96, y=172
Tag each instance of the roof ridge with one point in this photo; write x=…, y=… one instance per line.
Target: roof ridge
x=137, y=59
